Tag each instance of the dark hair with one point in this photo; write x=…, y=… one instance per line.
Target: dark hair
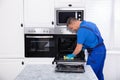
x=69, y=21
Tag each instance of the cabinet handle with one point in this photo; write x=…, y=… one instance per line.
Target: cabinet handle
x=21, y=25
x=70, y=5
x=52, y=22
x=22, y=63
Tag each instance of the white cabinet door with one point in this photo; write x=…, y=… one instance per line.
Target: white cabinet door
x=38, y=13
x=11, y=32
x=69, y=3
x=10, y=68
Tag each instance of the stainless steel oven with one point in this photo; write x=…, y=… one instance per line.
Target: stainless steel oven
x=49, y=42
x=39, y=45
x=66, y=44
x=39, y=42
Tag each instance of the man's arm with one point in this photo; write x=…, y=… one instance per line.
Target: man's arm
x=78, y=49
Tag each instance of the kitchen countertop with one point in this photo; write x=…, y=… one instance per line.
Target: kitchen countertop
x=47, y=72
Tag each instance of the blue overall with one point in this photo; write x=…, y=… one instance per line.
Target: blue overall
x=97, y=52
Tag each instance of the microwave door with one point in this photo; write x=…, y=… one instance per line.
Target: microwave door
x=63, y=16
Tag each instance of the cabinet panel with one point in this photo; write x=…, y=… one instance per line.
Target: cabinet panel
x=11, y=32
x=38, y=13
x=10, y=68
x=66, y=3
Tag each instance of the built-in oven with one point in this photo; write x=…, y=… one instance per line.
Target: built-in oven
x=66, y=44
x=39, y=43
x=62, y=14
x=50, y=42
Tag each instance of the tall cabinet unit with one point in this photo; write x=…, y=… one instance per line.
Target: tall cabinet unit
x=11, y=38
x=70, y=3
x=11, y=32
x=38, y=13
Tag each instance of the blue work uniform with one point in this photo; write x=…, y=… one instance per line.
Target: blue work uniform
x=89, y=36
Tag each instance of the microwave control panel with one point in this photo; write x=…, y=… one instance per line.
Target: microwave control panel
x=62, y=15
x=80, y=15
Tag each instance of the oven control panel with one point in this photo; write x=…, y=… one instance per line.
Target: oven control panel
x=63, y=30
x=48, y=30
x=44, y=30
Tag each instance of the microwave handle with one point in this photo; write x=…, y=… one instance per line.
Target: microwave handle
x=39, y=36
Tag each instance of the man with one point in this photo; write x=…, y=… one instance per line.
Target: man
x=89, y=37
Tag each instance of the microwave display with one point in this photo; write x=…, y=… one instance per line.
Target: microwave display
x=63, y=15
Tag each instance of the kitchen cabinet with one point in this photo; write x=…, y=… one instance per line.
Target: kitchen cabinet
x=69, y=3
x=10, y=68
x=11, y=32
x=38, y=13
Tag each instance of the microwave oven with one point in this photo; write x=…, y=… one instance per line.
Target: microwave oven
x=63, y=14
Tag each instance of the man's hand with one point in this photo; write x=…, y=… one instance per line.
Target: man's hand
x=69, y=56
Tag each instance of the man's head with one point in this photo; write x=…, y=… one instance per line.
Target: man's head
x=73, y=23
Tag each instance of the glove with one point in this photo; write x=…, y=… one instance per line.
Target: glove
x=69, y=56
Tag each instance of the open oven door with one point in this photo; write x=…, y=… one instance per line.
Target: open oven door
x=65, y=45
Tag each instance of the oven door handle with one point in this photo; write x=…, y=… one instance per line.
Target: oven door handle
x=39, y=36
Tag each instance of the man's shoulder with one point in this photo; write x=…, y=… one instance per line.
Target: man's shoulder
x=87, y=23
x=82, y=30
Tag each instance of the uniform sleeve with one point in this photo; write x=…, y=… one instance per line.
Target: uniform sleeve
x=81, y=36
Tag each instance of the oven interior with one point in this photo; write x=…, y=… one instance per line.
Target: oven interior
x=66, y=45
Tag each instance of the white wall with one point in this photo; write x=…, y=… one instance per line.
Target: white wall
x=99, y=12
x=116, y=30
x=111, y=67
x=105, y=13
